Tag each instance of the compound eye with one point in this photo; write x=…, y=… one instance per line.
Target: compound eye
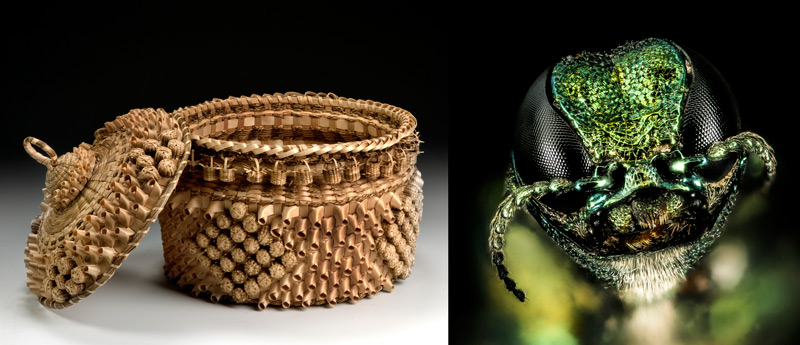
x=545, y=145
x=710, y=115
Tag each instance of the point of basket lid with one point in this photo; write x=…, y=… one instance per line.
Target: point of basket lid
x=384, y=124
x=100, y=201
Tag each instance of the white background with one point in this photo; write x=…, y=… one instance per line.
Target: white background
x=139, y=306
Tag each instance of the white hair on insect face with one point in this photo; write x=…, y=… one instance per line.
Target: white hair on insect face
x=645, y=277
x=647, y=283
x=650, y=277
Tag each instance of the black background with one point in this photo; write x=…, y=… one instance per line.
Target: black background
x=71, y=68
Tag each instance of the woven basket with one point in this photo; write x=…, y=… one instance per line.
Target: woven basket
x=294, y=200
x=99, y=202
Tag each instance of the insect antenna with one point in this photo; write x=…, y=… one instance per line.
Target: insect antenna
x=499, y=224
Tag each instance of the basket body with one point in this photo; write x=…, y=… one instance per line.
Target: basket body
x=278, y=207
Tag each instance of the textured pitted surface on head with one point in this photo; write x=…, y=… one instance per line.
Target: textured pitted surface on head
x=623, y=103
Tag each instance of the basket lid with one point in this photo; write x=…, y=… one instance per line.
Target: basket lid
x=100, y=201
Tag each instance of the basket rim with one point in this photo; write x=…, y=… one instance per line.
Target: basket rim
x=406, y=128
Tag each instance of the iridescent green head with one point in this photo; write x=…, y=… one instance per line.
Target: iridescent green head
x=630, y=160
x=626, y=103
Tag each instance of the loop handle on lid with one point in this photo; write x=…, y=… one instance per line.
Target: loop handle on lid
x=42, y=159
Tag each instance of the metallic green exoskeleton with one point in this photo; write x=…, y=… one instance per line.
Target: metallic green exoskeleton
x=630, y=160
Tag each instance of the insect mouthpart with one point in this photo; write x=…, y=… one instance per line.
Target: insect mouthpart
x=649, y=220
x=634, y=207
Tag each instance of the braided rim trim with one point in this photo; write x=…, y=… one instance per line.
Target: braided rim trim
x=321, y=102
